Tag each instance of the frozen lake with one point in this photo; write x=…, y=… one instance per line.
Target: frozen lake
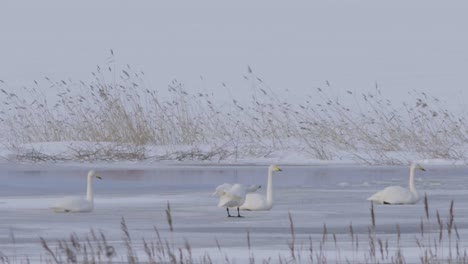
x=313, y=195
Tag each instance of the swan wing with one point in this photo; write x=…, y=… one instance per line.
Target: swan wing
x=237, y=190
x=255, y=202
x=221, y=189
x=394, y=195
x=253, y=188
x=232, y=197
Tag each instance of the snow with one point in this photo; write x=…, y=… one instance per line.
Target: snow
x=399, y=46
x=314, y=195
x=66, y=152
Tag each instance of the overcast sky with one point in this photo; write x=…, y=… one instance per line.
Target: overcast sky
x=401, y=45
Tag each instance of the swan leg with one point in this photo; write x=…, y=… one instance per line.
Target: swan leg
x=227, y=209
x=238, y=213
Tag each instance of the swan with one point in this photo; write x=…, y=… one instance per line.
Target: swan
x=233, y=195
x=397, y=194
x=258, y=202
x=78, y=204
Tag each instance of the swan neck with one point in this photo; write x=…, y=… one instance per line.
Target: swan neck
x=89, y=189
x=411, y=178
x=270, y=188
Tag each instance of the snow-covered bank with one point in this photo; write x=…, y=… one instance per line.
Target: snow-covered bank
x=121, y=120
x=99, y=152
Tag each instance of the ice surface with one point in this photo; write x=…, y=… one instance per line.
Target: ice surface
x=314, y=195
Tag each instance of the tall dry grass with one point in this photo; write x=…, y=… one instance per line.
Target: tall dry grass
x=117, y=106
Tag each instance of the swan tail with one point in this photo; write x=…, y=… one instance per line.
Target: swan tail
x=60, y=210
x=375, y=198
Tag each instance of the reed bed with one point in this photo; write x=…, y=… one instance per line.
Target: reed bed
x=118, y=112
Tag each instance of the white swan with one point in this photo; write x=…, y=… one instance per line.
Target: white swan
x=78, y=204
x=258, y=202
x=397, y=194
x=233, y=195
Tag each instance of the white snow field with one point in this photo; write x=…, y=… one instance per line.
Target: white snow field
x=314, y=196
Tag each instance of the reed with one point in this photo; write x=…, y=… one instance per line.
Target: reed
x=382, y=248
x=124, y=119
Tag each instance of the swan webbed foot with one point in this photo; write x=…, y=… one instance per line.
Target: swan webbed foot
x=386, y=202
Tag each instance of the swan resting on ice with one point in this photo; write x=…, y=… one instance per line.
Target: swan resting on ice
x=397, y=194
x=78, y=204
x=233, y=195
x=260, y=202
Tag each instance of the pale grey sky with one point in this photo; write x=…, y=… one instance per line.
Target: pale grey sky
x=400, y=44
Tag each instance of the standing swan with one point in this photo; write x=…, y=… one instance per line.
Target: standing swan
x=78, y=204
x=397, y=194
x=258, y=202
x=233, y=195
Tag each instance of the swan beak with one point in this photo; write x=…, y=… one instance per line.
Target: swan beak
x=99, y=177
x=421, y=168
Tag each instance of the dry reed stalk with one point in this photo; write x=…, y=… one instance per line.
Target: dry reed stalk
x=324, y=234
x=131, y=256
x=293, y=237
x=48, y=250
x=426, y=206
